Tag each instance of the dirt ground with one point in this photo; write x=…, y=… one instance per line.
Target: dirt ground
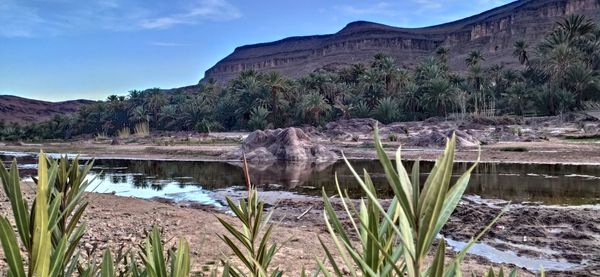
x=121, y=222
x=555, y=151
x=557, y=233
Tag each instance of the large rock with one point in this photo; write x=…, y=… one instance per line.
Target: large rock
x=436, y=138
x=289, y=144
x=351, y=126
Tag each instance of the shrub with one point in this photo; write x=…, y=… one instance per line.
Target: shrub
x=141, y=129
x=386, y=110
x=258, y=118
x=50, y=230
x=396, y=241
x=123, y=133
x=256, y=253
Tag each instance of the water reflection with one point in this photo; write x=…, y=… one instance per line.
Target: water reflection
x=550, y=184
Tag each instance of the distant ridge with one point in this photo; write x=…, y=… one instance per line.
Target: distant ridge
x=24, y=110
x=493, y=32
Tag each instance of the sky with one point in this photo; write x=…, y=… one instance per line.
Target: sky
x=71, y=49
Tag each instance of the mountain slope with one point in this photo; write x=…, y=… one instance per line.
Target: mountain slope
x=493, y=32
x=24, y=110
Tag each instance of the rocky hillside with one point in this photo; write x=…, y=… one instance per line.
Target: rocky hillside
x=24, y=110
x=493, y=32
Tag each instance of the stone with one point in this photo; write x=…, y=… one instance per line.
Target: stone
x=288, y=144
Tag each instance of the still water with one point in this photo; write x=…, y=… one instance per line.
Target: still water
x=194, y=181
x=200, y=182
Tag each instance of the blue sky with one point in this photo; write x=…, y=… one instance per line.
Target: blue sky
x=68, y=49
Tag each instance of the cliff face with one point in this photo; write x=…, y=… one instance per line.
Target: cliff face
x=493, y=32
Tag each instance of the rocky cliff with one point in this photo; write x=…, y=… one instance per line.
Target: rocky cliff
x=493, y=32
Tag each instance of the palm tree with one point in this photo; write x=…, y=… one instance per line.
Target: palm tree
x=139, y=114
x=313, y=105
x=576, y=26
x=386, y=110
x=277, y=84
x=442, y=53
x=520, y=51
x=410, y=99
x=430, y=68
x=582, y=81
x=439, y=96
x=474, y=58
x=372, y=86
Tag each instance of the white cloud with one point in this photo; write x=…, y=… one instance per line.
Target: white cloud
x=51, y=17
x=205, y=10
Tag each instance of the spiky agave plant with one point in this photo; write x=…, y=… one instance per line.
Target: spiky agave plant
x=154, y=261
x=34, y=225
x=50, y=229
x=395, y=241
x=255, y=252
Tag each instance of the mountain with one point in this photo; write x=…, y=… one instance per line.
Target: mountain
x=493, y=32
x=24, y=110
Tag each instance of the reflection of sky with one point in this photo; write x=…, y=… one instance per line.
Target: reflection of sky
x=125, y=185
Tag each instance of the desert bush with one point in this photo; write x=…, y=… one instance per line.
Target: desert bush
x=141, y=129
x=101, y=136
x=124, y=133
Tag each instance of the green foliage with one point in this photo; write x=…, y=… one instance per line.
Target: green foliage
x=558, y=75
x=396, y=241
x=258, y=118
x=386, y=110
x=256, y=251
x=50, y=230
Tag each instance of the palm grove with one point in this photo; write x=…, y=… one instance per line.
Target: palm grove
x=560, y=74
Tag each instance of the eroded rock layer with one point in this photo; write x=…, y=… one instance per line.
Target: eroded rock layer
x=494, y=32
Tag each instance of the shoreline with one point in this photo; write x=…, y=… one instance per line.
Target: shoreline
x=490, y=154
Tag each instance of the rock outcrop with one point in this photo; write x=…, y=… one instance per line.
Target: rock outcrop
x=436, y=138
x=493, y=32
x=289, y=144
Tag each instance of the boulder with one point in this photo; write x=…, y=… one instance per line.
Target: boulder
x=288, y=144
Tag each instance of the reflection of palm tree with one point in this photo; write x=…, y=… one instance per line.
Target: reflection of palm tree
x=156, y=186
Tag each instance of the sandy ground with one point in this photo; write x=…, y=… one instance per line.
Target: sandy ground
x=553, y=151
x=118, y=222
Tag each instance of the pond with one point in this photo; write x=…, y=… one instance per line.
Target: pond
x=551, y=184
x=201, y=182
